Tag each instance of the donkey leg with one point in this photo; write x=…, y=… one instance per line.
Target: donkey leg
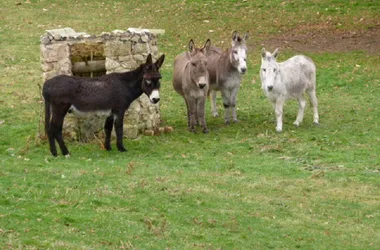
x=58, y=117
x=301, y=110
x=191, y=103
x=233, y=103
x=214, y=110
x=108, y=129
x=51, y=136
x=278, y=110
x=187, y=113
x=227, y=105
x=201, y=113
x=119, y=131
x=314, y=103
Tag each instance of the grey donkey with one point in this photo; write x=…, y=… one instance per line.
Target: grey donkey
x=191, y=80
x=225, y=69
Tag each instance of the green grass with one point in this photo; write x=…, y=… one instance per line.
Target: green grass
x=242, y=186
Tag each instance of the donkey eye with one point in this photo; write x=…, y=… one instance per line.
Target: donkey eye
x=274, y=70
x=264, y=70
x=194, y=64
x=148, y=82
x=235, y=52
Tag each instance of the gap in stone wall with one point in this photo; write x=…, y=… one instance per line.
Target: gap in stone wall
x=88, y=59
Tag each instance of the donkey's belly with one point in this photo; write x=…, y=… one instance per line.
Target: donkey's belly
x=78, y=112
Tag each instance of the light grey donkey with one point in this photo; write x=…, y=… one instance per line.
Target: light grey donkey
x=191, y=80
x=225, y=69
x=286, y=80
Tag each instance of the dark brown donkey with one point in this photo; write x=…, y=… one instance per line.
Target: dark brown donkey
x=191, y=80
x=111, y=93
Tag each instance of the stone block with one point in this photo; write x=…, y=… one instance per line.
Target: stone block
x=117, y=48
x=47, y=66
x=111, y=64
x=131, y=132
x=140, y=48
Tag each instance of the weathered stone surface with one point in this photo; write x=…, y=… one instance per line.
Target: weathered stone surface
x=47, y=66
x=139, y=58
x=45, y=39
x=117, y=48
x=112, y=64
x=140, y=48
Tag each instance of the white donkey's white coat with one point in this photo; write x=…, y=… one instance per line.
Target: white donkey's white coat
x=225, y=69
x=286, y=80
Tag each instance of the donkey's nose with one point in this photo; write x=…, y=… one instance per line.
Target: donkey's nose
x=270, y=88
x=155, y=100
x=243, y=70
x=202, y=85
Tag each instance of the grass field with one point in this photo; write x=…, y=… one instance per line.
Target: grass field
x=242, y=186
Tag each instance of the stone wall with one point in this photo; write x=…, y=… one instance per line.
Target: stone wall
x=123, y=50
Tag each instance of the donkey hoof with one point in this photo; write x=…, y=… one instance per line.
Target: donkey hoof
x=227, y=122
x=278, y=130
x=192, y=130
x=236, y=121
x=216, y=114
x=297, y=124
x=205, y=131
x=122, y=149
x=316, y=123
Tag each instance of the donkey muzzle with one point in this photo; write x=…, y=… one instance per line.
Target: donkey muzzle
x=154, y=97
x=202, y=85
x=155, y=100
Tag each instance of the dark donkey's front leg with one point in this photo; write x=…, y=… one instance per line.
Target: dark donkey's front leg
x=108, y=129
x=119, y=121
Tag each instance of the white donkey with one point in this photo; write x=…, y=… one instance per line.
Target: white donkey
x=225, y=69
x=286, y=80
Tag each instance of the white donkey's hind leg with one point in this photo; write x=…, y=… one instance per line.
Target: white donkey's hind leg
x=314, y=103
x=301, y=110
x=214, y=109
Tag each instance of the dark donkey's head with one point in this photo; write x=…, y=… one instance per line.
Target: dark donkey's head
x=151, y=78
x=198, y=64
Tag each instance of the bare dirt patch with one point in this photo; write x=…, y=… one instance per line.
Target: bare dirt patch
x=324, y=38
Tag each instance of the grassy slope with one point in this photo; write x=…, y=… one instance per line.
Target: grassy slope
x=241, y=186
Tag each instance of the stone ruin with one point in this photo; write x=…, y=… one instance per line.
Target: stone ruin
x=64, y=51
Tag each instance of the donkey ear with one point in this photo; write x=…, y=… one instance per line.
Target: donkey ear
x=235, y=37
x=245, y=37
x=275, y=53
x=191, y=45
x=160, y=61
x=207, y=45
x=149, y=59
x=263, y=53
